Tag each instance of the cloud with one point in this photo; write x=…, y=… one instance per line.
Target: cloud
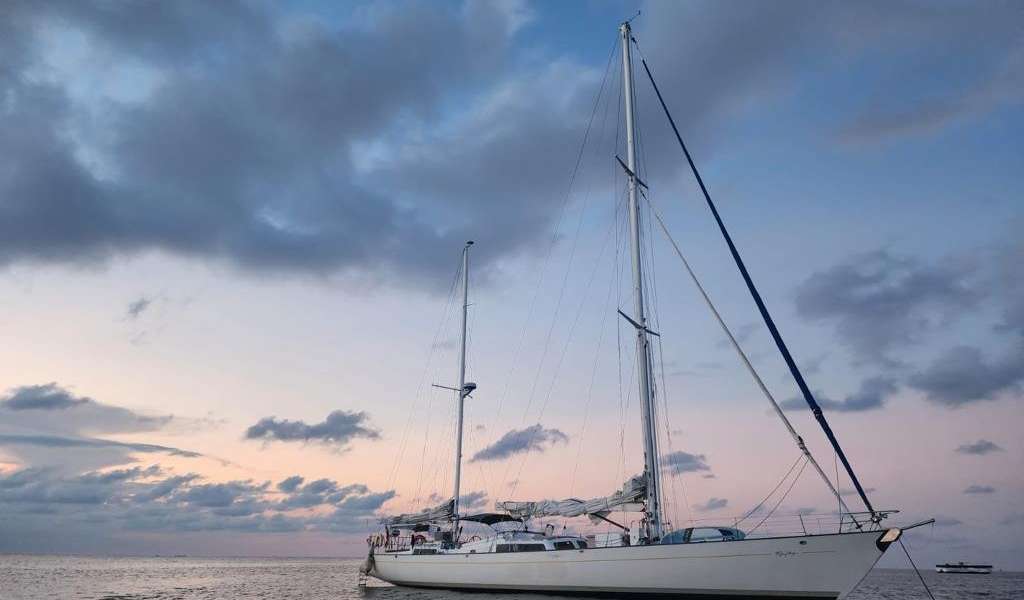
x=143, y=500
x=947, y=522
x=517, y=441
x=1001, y=85
x=307, y=191
x=48, y=425
x=48, y=396
x=871, y=395
x=711, y=504
x=684, y=462
x=979, y=448
x=879, y=301
x=289, y=484
x=963, y=375
x=52, y=441
x=338, y=429
x=472, y=501
x=137, y=307
x=979, y=489
x=852, y=492
x=742, y=334
x=1012, y=519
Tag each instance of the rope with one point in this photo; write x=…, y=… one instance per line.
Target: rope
x=777, y=504
x=771, y=493
x=919, y=576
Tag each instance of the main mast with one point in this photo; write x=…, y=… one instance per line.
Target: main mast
x=643, y=350
x=462, y=391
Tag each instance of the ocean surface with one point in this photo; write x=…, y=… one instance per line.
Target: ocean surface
x=74, y=577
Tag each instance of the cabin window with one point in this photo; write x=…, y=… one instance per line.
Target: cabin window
x=504, y=548
x=530, y=548
x=582, y=545
x=425, y=551
x=566, y=545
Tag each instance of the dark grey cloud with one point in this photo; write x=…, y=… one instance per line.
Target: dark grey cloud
x=316, y=493
x=742, y=334
x=269, y=128
x=684, y=462
x=137, y=307
x=338, y=429
x=53, y=441
x=473, y=501
x=274, y=142
x=947, y=522
x=963, y=375
x=966, y=374
x=711, y=504
x=879, y=301
x=218, y=495
x=289, y=484
x=979, y=489
x=48, y=396
x=1013, y=519
x=914, y=107
x=852, y=492
x=871, y=395
x=366, y=502
x=913, y=55
x=979, y=448
x=534, y=438
x=141, y=499
x=48, y=425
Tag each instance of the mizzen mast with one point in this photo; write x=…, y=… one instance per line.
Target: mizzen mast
x=639, y=319
x=463, y=390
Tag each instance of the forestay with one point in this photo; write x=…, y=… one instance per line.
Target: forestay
x=633, y=492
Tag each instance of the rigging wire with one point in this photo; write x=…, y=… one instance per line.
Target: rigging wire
x=750, y=367
x=565, y=347
x=445, y=316
x=916, y=570
x=593, y=374
x=572, y=250
x=783, y=497
x=551, y=246
x=771, y=493
x=765, y=315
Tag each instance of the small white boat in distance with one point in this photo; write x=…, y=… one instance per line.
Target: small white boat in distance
x=964, y=568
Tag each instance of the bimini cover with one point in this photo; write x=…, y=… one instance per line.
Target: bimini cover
x=441, y=512
x=633, y=492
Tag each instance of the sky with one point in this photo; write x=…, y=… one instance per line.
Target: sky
x=229, y=237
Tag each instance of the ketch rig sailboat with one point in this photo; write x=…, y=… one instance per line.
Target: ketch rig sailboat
x=427, y=549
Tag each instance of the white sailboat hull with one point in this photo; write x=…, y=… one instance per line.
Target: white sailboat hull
x=822, y=566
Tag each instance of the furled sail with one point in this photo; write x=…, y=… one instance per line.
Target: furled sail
x=633, y=492
x=441, y=512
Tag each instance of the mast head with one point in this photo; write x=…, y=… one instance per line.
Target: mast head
x=469, y=243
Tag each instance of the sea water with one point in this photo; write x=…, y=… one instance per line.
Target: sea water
x=75, y=577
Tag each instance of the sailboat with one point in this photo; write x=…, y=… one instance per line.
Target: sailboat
x=427, y=549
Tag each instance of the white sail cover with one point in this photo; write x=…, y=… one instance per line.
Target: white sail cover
x=441, y=512
x=633, y=492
